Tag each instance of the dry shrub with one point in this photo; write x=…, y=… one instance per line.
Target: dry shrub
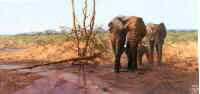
x=7, y=43
x=50, y=52
x=182, y=55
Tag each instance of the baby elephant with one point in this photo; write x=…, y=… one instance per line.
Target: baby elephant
x=156, y=34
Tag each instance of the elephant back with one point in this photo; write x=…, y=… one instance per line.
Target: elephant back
x=157, y=31
x=162, y=30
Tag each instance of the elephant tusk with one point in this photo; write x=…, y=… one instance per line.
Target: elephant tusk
x=125, y=44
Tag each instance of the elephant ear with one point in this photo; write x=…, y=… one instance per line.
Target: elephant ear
x=110, y=25
x=162, y=26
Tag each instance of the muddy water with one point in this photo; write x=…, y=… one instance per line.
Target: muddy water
x=9, y=67
x=69, y=83
x=104, y=81
x=11, y=49
x=140, y=82
x=101, y=80
x=45, y=72
x=65, y=82
x=36, y=71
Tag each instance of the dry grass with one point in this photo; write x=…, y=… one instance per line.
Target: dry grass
x=182, y=55
x=48, y=52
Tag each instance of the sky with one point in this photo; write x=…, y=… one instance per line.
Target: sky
x=22, y=16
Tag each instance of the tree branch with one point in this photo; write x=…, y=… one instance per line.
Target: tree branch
x=63, y=61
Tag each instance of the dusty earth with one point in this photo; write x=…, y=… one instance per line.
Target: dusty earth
x=178, y=74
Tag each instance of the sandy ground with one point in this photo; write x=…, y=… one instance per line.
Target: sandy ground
x=179, y=74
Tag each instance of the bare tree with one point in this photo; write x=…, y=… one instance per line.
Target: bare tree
x=84, y=33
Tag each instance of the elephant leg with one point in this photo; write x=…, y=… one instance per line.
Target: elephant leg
x=159, y=52
x=118, y=54
x=151, y=52
x=117, y=64
x=140, y=54
x=132, y=58
x=149, y=55
x=149, y=58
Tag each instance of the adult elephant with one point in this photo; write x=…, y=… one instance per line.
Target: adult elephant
x=125, y=34
x=156, y=34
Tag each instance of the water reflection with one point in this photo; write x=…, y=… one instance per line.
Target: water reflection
x=11, y=49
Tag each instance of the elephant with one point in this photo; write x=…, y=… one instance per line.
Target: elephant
x=156, y=34
x=125, y=33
